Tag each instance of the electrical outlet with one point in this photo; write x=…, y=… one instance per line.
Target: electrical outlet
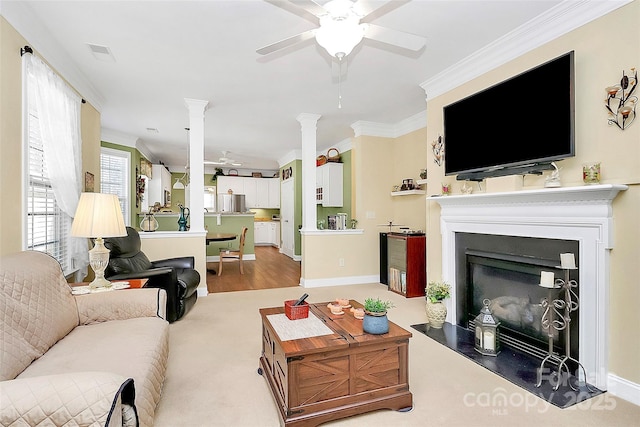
x=341, y=262
x=371, y=215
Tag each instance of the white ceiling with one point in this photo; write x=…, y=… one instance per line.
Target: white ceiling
x=166, y=51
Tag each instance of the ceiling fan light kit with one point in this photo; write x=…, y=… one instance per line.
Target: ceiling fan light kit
x=340, y=29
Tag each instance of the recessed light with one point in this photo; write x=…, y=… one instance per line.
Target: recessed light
x=153, y=130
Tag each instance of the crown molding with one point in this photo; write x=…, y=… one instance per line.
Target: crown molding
x=410, y=124
x=120, y=138
x=35, y=32
x=557, y=21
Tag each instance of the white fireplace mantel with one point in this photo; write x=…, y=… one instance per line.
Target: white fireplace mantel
x=583, y=214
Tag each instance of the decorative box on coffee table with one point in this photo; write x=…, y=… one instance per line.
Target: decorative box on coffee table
x=339, y=373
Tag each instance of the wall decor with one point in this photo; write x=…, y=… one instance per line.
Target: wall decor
x=145, y=168
x=621, y=102
x=287, y=173
x=438, y=150
x=89, y=182
x=140, y=184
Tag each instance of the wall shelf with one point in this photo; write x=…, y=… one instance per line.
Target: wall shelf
x=407, y=192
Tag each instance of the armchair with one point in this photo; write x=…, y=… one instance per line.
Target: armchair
x=176, y=276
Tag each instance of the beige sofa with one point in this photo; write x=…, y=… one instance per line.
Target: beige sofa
x=96, y=359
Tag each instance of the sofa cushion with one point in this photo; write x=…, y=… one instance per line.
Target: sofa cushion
x=36, y=309
x=136, y=348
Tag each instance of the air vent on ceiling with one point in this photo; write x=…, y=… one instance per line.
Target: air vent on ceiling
x=101, y=53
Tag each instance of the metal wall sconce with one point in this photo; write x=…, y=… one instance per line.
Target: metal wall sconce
x=621, y=102
x=437, y=147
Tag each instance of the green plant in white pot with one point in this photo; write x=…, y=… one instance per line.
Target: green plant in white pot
x=437, y=292
x=375, y=316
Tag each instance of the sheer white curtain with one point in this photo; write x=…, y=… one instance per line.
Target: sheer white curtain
x=58, y=109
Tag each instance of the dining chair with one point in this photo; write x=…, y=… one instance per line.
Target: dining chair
x=227, y=255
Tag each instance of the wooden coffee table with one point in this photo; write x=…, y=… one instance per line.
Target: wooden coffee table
x=346, y=372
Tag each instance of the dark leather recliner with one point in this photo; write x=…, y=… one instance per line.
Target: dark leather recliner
x=176, y=276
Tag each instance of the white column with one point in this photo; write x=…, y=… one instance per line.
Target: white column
x=196, y=163
x=308, y=128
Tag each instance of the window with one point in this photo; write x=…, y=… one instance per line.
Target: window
x=46, y=222
x=52, y=164
x=114, y=177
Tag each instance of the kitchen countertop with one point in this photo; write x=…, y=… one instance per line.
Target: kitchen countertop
x=206, y=213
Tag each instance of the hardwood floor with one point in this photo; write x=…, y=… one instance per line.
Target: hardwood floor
x=271, y=269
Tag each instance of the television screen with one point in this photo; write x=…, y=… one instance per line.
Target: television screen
x=522, y=122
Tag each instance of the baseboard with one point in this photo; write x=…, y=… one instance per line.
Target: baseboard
x=624, y=389
x=338, y=281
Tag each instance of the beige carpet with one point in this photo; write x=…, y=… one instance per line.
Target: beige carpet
x=212, y=377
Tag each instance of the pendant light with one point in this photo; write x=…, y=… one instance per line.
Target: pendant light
x=184, y=180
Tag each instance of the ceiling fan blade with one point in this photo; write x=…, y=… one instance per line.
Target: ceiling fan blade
x=368, y=10
x=394, y=37
x=298, y=38
x=310, y=6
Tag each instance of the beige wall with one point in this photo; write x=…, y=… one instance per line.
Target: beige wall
x=377, y=165
x=600, y=58
x=157, y=248
x=11, y=218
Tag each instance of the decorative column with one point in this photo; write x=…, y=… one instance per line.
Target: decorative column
x=196, y=163
x=308, y=127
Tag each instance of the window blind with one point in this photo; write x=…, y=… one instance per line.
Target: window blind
x=47, y=224
x=114, y=177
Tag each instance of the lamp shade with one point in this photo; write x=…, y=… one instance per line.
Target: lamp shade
x=98, y=215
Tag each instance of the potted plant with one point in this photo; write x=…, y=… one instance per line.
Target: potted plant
x=375, y=316
x=437, y=292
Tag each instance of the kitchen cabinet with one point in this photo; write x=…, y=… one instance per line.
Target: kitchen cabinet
x=329, y=183
x=233, y=183
x=263, y=193
x=266, y=233
x=159, y=187
x=261, y=233
x=274, y=193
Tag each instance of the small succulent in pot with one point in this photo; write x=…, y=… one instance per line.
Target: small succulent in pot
x=377, y=305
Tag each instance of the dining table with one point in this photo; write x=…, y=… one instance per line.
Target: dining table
x=219, y=237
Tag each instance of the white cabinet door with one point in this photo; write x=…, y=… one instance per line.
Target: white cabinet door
x=250, y=192
x=261, y=233
x=233, y=183
x=329, y=177
x=274, y=193
x=262, y=193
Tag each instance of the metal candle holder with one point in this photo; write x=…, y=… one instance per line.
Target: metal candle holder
x=557, y=317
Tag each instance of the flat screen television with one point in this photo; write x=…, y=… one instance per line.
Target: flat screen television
x=518, y=126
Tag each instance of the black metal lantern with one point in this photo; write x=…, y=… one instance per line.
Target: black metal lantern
x=487, y=334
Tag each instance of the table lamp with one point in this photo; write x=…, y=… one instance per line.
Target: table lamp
x=98, y=215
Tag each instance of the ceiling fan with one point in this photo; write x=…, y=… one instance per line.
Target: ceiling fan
x=224, y=160
x=343, y=24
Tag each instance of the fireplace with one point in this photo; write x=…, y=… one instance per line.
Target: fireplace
x=506, y=270
x=579, y=216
